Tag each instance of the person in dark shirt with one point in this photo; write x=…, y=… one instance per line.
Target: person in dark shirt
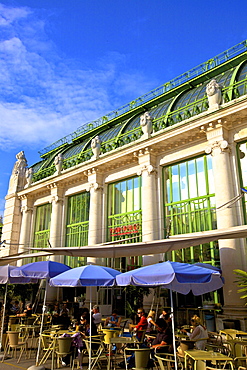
x=164, y=336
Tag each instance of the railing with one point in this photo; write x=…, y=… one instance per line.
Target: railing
x=77, y=234
x=187, y=76
x=41, y=238
x=228, y=93
x=125, y=225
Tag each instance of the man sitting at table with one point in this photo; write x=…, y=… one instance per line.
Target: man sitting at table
x=114, y=320
x=163, y=338
x=27, y=312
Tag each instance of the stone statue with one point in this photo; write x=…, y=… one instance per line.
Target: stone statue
x=18, y=176
x=213, y=90
x=58, y=161
x=146, y=122
x=96, y=145
x=29, y=176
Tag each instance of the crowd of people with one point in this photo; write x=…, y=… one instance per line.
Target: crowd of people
x=158, y=331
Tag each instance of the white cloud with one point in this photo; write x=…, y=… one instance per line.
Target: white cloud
x=43, y=95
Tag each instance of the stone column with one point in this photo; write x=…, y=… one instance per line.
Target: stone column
x=220, y=148
x=150, y=217
x=56, y=231
x=26, y=222
x=95, y=211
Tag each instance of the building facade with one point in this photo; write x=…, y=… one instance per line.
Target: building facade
x=170, y=162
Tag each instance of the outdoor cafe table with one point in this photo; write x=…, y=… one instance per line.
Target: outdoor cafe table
x=200, y=357
x=118, y=340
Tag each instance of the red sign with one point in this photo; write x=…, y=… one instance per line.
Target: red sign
x=124, y=230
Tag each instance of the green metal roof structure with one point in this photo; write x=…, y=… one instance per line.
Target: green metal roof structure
x=178, y=100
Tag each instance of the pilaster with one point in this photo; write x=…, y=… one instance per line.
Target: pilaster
x=57, y=201
x=95, y=187
x=220, y=148
x=26, y=222
x=150, y=219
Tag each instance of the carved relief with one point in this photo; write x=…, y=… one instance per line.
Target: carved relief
x=149, y=168
x=213, y=90
x=146, y=122
x=96, y=146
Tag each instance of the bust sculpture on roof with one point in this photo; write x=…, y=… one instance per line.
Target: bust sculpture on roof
x=213, y=90
x=96, y=146
x=58, y=161
x=146, y=122
x=29, y=176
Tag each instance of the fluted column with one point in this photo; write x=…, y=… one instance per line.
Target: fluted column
x=220, y=147
x=150, y=218
x=56, y=232
x=26, y=222
x=95, y=211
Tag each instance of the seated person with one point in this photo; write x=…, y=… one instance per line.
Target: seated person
x=64, y=316
x=198, y=332
x=151, y=323
x=142, y=324
x=27, y=312
x=97, y=315
x=55, y=318
x=164, y=336
x=15, y=309
x=114, y=320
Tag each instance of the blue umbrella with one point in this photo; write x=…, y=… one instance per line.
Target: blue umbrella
x=5, y=278
x=89, y=275
x=40, y=270
x=176, y=276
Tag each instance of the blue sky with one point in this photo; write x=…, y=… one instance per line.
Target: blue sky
x=64, y=63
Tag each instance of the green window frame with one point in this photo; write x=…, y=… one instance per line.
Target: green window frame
x=42, y=225
x=190, y=207
x=124, y=218
x=242, y=162
x=77, y=226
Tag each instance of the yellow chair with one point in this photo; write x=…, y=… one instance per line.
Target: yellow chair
x=14, y=343
x=166, y=361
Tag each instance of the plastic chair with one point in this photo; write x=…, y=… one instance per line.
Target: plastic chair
x=14, y=343
x=165, y=361
x=98, y=353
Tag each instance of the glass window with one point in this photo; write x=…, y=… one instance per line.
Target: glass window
x=42, y=225
x=190, y=206
x=77, y=225
x=125, y=217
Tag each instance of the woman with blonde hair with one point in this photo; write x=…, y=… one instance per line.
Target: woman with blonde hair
x=199, y=333
x=151, y=323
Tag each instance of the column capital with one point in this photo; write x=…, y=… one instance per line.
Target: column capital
x=94, y=186
x=56, y=199
x=147, y=168
x=218, y=147
x=26, y=209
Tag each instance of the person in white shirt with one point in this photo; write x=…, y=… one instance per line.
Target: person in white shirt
x=198, y=332
x=97, y=315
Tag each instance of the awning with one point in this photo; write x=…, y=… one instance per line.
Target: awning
x=114, y=250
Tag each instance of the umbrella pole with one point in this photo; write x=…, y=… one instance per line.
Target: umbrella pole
x=42, y=322
x=173, y=332
x=90, y=330
x=4, y=309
